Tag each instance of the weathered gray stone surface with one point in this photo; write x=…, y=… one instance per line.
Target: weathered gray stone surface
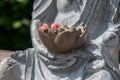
x=98, y=60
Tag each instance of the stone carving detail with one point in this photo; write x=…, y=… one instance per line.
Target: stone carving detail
x=97, y=60
x=64, y=39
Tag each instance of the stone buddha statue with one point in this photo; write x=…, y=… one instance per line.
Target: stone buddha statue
x=97, y=60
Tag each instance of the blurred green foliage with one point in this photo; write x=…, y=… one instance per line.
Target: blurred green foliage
x=15, y=18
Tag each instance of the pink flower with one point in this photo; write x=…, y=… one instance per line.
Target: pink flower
x=44, y=27
x=55, y=26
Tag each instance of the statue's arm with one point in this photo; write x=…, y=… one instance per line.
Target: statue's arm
x=6, y=69
x=13, y=66
x=106, y=47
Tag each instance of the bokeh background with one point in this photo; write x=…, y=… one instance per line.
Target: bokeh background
x=15, y=19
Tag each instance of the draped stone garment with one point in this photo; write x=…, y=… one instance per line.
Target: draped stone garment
x=98, y=60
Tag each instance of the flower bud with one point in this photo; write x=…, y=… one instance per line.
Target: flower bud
x=44, y=27
x=55, y=26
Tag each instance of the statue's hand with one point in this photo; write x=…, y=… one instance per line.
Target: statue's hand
x=6, y=67
x=110, y=39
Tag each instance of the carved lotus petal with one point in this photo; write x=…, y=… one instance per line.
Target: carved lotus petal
x=47, y=41
x=65, y=41
x=81, y=38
